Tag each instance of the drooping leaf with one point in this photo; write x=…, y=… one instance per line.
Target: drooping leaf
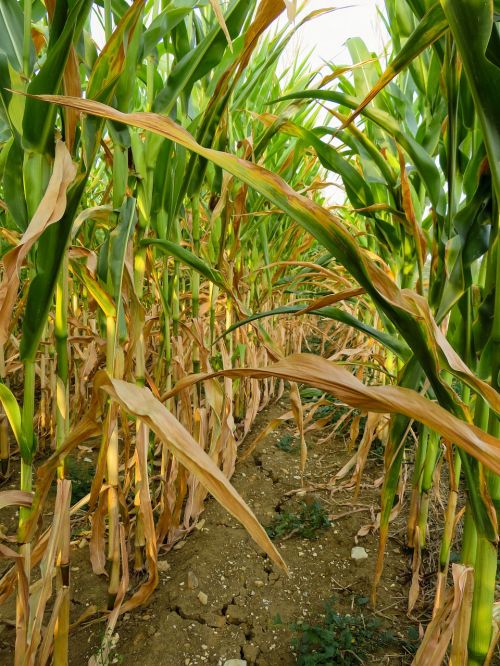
x=403, y=307
x=331, y=378
x=140, y=402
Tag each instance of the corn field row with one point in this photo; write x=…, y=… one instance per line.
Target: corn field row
x=170, y=247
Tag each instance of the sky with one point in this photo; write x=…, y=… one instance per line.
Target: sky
x=328, y=33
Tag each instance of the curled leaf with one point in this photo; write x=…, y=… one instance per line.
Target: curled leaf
x=49, y=211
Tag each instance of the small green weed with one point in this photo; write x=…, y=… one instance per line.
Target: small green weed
x=343, y=639
x=81, y=474
x=288, y=444
x=311, y=517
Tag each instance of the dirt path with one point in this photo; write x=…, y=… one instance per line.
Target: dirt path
x=221, y=599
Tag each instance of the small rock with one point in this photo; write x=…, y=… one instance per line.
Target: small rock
x=235, y=662
x=192, y=581
x=82, y=544
x=179, y=545
x=358, y=554
x=163, y=565
x=258, y=583
x=203, y=598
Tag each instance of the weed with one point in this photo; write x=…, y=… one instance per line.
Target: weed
x=287, y=443
x=311, y=517
x=343, y=639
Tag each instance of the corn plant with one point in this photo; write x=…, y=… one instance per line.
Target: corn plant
x=164, y=198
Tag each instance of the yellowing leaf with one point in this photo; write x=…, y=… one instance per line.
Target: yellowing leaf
x=50, y=210
x=220, y=18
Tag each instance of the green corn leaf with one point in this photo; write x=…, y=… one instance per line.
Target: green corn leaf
x=11, y=29
x=471, y=22
x=389, y=341
x=199, y=61
x=357, y=189
x=55, y=239
x=423, y=161
x=13, y=413
x=51, y=248
x=118, y=241
x=106, y=76
x=163, y=24
x=38, y=124
x=432, y=26
x=13, y=185
x=189, y=259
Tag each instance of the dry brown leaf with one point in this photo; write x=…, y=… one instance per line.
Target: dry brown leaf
x=415, y=573
x=23, y=596
x=270, y=427
x=221, y=21
x=459, y=652
x=291, y=9
x=41, y=592
x=102, y=658
x=331, y=299
x=147, y=518
x=372, y=424
x=318, y=372
x=432, y=650
x=16, y=498
x=412, y=225
x=140, y=402
x=72, y=87
x=298, y=413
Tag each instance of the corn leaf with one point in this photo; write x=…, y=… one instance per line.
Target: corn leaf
x=325, y=375
x=140, y=402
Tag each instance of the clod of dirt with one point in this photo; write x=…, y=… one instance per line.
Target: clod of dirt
x=163, y=566
x=251, y=653
x=236, y=614
x=192, y=581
